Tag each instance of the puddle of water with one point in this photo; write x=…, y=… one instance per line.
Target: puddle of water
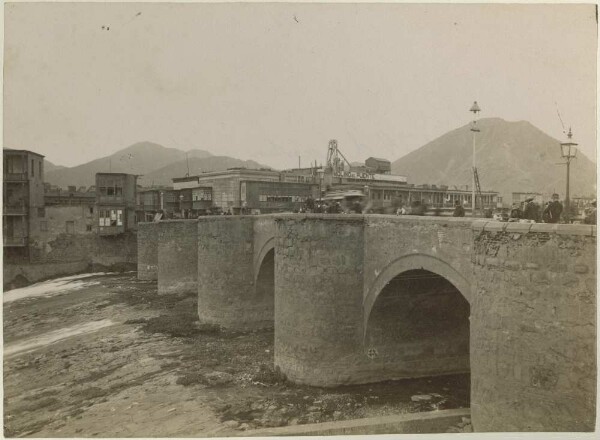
x=31, y=344
x=52, y=287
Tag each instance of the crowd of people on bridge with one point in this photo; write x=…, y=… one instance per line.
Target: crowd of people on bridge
x=344, y=206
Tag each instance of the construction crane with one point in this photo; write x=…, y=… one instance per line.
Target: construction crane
x=335, y=158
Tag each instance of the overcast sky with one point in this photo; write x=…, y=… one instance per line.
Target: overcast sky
x=271, y=82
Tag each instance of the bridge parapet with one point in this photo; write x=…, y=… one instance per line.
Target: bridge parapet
x=533, y=320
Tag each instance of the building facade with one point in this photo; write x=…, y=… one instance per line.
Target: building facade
x=115, y=203
x=23, y=204
x=246, y=190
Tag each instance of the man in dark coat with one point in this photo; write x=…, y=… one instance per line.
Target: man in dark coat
x=590, y=218
x=459, y=211
x=553, y=210
x=530, y=212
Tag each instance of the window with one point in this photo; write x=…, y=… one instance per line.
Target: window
x=91, y=209
x=110, y=191
x=119, y=217
x=43, y=226
x=88, y=228
x=70, y=227
x=102, y=190
x=41, y=212
x=32, y=169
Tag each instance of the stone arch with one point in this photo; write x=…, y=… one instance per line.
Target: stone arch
x=266, y=247
x=413, y=262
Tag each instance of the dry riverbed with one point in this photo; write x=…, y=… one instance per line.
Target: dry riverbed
x=104, y=355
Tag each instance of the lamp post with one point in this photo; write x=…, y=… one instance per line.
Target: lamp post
x=569, y=152
x=475, y=109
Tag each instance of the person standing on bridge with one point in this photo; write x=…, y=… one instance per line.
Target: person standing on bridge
x=459, y=211
x=553, y=210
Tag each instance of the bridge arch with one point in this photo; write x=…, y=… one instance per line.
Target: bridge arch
x=417, y=320
x=267, y=247
x=405, y=263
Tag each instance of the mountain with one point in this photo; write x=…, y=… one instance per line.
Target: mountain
x=49, y=166
x=163, y=176
x=510, y=157
x=139, y=158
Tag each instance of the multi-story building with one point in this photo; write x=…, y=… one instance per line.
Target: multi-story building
x=239, y=188
x=23, y=204
x=386, y=191
x=69, y=211
x=115, y=202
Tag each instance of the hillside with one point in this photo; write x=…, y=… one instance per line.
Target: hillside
x=139, y=158
x=49, y=166
x=164, y=175
x=511, y=156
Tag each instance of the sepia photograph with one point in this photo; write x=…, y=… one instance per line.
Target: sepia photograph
x=299, y=219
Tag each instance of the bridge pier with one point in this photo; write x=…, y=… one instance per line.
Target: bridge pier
x=177, y=256
x=318, y=299
x=147, y=242
x=226, y=276
x=533, y=345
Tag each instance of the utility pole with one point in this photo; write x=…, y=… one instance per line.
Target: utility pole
x=569, y=152
x=475, y=109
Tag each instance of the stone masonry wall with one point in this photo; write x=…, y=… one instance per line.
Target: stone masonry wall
x=533, y=321
x=147, y=264
x=318, y=298
x=178, y=256
x=226, y=293
x=445, y=241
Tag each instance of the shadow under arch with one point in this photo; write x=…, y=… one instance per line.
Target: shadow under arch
x=268, y=246
x=413, y=262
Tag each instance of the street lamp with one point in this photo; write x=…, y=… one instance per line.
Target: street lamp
x=475, y=109
x=569, y=152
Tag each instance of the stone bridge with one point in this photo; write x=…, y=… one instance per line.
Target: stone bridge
x=367, y=298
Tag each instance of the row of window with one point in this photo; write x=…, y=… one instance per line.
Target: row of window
x=202, y=195
x=275, y=198
x=110, y=217
x=111, y=190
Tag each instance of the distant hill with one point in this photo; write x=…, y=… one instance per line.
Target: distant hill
x=49, y=166
x=164, y=175
x=139, y=158
x=510, y=156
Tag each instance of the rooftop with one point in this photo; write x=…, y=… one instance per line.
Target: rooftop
x=10, y=150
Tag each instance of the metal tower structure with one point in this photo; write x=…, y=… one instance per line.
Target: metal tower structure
x=335, y=158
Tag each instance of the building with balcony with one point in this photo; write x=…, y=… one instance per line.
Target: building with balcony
x=23, y=210
x=115, y=203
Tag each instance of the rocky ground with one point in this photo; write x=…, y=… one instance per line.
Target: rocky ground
x=106, y=356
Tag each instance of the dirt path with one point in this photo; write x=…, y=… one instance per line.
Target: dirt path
x=113, y=359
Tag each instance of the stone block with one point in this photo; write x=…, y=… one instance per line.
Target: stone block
x=574, y=230
x=479, y=225
x=523, y=228
x=581, y=268
x=543, y=227
x=494, y=226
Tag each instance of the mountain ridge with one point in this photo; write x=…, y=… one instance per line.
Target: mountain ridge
x=139, y=158
x=510, y=157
